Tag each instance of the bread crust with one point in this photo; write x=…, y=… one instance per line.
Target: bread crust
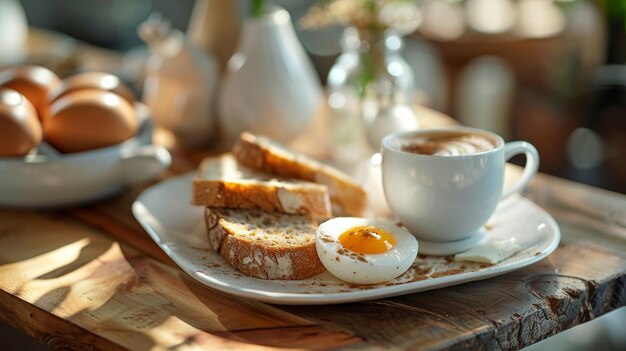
x=270, y=196
x=256, y=153
x=256, y=258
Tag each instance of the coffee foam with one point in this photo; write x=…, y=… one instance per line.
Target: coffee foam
x=449, y=144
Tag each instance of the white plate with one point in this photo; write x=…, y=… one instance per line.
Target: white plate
x=165, y=212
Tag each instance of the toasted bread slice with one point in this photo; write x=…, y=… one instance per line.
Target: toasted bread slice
x=222, y=182
x=263, y=154
x=264, y=245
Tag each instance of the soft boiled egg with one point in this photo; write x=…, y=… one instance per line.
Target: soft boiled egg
x=364, y=251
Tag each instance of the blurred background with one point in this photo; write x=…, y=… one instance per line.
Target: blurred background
x=546, y=71
x=550, y=72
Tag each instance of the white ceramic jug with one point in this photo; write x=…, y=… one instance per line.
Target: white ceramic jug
x=180, y=84
x=270, y=86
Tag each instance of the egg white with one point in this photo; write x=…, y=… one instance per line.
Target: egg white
x=358, y=268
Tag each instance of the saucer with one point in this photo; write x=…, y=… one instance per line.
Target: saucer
x=179, y=229
x=444, y=248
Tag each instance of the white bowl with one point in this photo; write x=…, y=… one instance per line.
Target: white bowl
x=42, y=181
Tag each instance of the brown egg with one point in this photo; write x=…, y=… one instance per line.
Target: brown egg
x=92, y=80
x=34, y=82
x=20, y=130
x=89, y=119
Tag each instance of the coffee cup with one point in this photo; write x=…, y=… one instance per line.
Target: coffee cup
x=444, y=184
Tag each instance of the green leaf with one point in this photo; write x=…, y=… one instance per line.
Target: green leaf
x=257, y=8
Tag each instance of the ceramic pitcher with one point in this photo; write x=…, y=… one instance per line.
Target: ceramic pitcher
x=180, y=84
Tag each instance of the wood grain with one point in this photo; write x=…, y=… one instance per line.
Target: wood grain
x=36, y=323
x=91, y=278
x=575, y=284
x=83, y=281
x=583, y=279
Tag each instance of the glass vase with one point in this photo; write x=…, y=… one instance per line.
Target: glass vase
x=369, y=69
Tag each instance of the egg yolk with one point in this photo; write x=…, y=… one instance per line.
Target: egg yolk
x=367, y=240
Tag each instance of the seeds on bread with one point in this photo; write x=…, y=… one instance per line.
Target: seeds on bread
x=263, y=154
x=222, y=182
x=264, y=245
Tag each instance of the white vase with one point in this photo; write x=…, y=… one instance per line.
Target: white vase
x=270, y=87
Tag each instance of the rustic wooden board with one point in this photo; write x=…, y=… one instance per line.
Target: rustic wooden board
x=120, y=295
x=92, y=278
x=508, y=312
x=67, y=284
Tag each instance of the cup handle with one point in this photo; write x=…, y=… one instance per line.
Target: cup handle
x=145, y=163
x=532, y=164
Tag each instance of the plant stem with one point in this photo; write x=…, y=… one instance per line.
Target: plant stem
x=257, y=8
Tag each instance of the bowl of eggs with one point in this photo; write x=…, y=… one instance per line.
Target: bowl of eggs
x=72, y=141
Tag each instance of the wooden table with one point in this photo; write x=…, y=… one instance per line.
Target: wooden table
x=91, y=278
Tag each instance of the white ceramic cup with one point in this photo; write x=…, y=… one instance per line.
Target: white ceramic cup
x=446, y=200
